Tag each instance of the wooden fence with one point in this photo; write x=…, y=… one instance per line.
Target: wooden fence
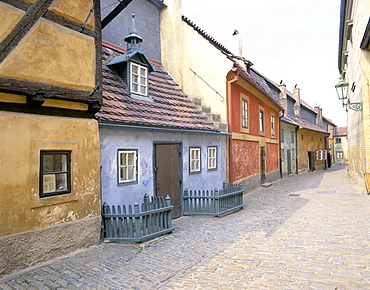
x=214, y=202
x=135, y=224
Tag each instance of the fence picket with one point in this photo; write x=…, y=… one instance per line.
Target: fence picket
x=214, y=202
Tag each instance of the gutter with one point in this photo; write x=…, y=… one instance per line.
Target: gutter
x=229, y=114
x=341, y=33
x=166, y=130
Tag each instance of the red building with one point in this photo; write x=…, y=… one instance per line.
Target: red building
x=253, y=118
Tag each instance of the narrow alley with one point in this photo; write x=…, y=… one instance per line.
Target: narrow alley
x=308, y=231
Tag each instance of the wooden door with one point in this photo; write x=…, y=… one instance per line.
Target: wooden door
x=168, y=174
x=289, y=160
x=263, y=165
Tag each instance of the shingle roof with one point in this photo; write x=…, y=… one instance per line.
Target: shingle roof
x=170, y=107
x=340, y=131
x=308, y=125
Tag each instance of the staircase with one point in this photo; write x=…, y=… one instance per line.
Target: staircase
x=215, y=118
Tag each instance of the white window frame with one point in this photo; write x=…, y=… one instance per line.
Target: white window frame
x=212, y=158
x=272, y=125
x=130, y=166
x=140, y=77
x=194, y=160
x=245, y=120
x=261, y=117
x=339, y=155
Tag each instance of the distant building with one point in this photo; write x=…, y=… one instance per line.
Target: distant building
x=340, y=145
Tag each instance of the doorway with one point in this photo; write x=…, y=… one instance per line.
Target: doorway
x=167, y=172
x=289, y=161
x=263, y=165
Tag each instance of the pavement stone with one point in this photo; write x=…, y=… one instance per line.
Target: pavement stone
x=308, y=231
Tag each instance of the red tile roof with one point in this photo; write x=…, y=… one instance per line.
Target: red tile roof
x=170, y=107
x=340, y=131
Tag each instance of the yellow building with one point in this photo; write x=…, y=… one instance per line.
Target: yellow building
x=354, y=66
x=50, y=58
x=340, y=145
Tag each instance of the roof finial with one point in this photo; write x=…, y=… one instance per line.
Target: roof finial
x=133, y=39
x=133, y=26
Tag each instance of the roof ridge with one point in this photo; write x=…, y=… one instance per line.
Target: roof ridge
x=207, y=36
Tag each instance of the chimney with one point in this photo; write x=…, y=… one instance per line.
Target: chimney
x=318, y=110
x=297, y=104
x=283, y=96
x=237, y=43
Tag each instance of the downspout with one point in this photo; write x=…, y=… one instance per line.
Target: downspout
x=281, y=157
x=229, y=111
x=296, y=149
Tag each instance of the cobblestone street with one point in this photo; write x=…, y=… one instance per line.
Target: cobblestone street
x=309, y=231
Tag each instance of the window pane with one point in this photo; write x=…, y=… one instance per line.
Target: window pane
x=134, y=69
x=54, y=163
x=131, y=173
x=131, y=158
x=143, y=71
x=135, y=79
x=135, y=88
x=142, y=90
x=48, y=183
x=61, y=181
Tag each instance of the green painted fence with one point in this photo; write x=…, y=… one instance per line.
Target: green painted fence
x=135, y=223
x=214, y=202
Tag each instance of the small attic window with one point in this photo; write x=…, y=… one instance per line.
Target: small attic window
x=138, y=79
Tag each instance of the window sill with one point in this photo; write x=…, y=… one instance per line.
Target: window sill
x=53, y=200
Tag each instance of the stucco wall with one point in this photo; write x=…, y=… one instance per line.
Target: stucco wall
x=114, y=138
x=147, y=19
x=358, y=73
x=311, y=141
x=52, y=54
x=183, y=50
x=21, y=208
x=289, y=144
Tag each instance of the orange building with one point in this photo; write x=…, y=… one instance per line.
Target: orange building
x=253, y=117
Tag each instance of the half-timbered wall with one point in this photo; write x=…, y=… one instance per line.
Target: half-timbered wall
x=50, y=88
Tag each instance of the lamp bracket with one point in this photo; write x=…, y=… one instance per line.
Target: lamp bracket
x=355, y=106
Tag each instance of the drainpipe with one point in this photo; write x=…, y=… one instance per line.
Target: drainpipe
x=229, y=111
x=296, y=150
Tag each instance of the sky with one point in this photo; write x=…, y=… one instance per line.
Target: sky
x=291, y=40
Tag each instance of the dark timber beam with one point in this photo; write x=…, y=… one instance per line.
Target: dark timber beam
x=107, y=19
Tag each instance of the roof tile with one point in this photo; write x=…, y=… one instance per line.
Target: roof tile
x=170, y=107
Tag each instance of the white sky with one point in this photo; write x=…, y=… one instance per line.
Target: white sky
x=291, y=40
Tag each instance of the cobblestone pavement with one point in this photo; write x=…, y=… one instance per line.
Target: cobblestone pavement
x=309, y=231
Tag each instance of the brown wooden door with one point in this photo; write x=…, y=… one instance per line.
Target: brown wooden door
x=168, y=174
x=263, y=165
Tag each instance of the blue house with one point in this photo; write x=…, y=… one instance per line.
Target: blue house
x=154, y=140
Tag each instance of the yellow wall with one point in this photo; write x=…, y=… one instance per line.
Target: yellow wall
x=358, y=73
x=189, y=50
x=21, y=209
x=52, y=54
x=311, y=141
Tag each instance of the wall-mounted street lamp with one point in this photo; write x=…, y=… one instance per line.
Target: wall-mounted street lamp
x=342, y=91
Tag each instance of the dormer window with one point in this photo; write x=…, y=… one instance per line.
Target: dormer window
x=139, y=79
x=133, y=67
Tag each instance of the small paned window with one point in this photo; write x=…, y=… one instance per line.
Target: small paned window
x=127, y=166
x=338, y=140
x=272, y=125
x=212, y=158
x=282, y=155
x=55, y=173
x=340, y=154
x=292, y=136
x=139, y=79
x=194, y=162
x=262, y=120
x=244, y=113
